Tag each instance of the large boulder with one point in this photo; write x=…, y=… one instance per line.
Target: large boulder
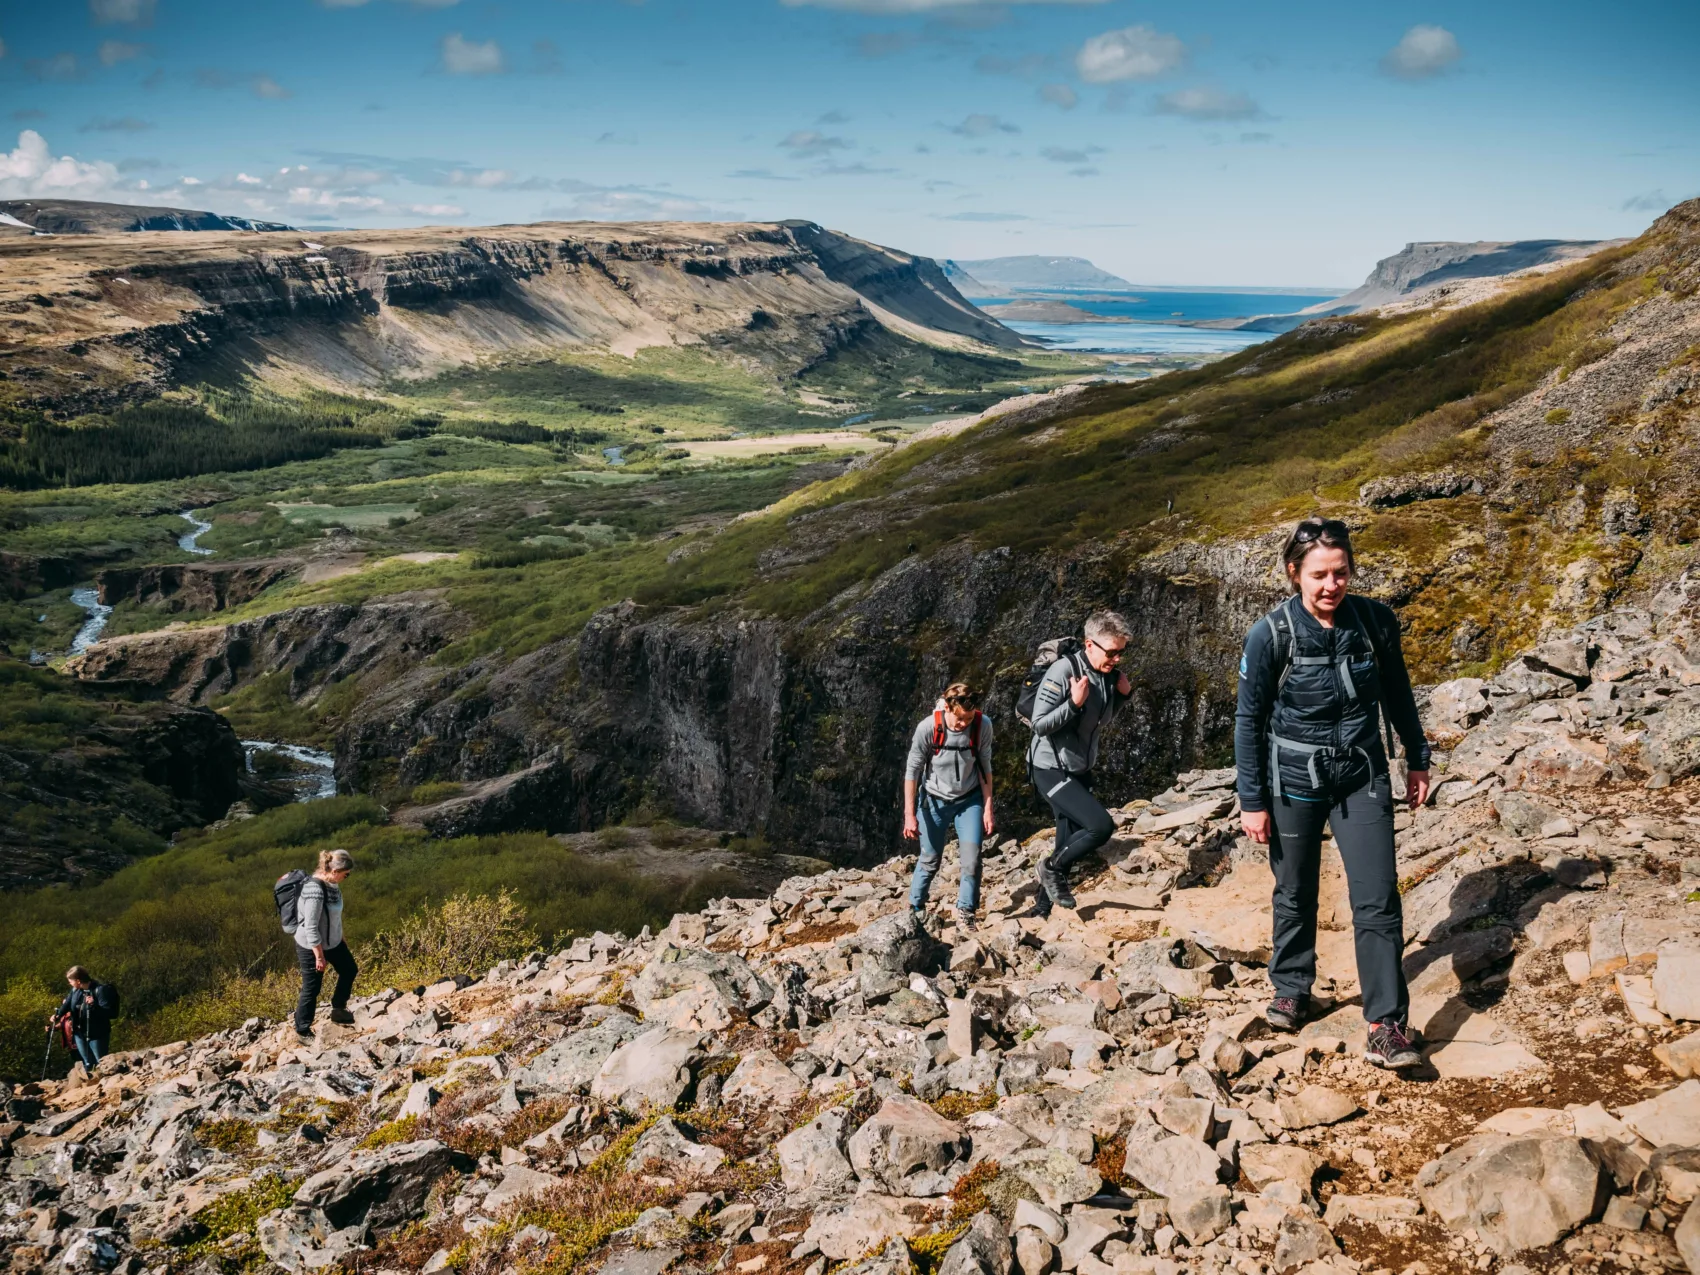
x=694, y=989
x=380, y=1188
x=300, y=1239
x=905, y=1137
x=571, y=1063
x=894, y=947
x=1173, y=1166
x=868, y=1222
x=1516, y=1193
x=811, y=1158
x=1057, y=1177
x=761, y=1080
x=1672, y=742
x=663, y=1147
x=651, y=1070
x=982, y=1250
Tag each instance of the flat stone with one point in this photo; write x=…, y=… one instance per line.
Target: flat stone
x=1058, y=1178
x=571, y=1063
x=664, y=1146
x=1315, y=1105
x=1623, y=1214
x=1681, y=1056
x=1194, y=1117
x=1173, y=1166
x=1638, y=998
x=1029, y=1213
x=1672, y=1117
x=1200, y=1216
x=761, y=1080
x=1266, y=1162
x=518, y=1183
x=1371, y=1209
x=1676, y=984
x=868, y=1222
x=1470, y=1060
x=1300, y=1240
x=1523, y=1121
x=651, y=1070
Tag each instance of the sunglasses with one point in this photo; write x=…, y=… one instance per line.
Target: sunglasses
x=1110, y=652
x=1330, y=527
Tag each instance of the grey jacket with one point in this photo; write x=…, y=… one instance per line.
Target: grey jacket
x=1065, y=737
x=320, y=911
x=952, y=773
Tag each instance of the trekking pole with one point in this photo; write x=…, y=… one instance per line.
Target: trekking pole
x=47, y=1058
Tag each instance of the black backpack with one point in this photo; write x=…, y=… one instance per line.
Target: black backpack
x=1280, y=622
x=941, y=733
x=287, y=895
x=1049, y=653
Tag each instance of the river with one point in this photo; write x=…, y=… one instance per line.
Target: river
x=187, y=541
x=314, y=782
x=95, y=625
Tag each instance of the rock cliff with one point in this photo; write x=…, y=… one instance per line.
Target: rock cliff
x=821, y=1079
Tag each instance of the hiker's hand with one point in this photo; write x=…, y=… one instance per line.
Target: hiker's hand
x=911, y=826
x=1256, y=825
x=1416, y=788
x=319, y=959
x=1124, y=685
x=988, y=823
x=1077, y=690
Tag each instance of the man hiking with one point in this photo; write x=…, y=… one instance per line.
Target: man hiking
x=1319, y=673
x=89, y=1007
x=948, y=782
x=1076, y=699
x=319, y=942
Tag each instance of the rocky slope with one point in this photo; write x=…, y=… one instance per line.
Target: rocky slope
x=815, y=1080
x=89, y=217
x=96, y=320
x=1421, y=267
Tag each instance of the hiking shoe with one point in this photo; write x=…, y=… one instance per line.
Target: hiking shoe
x=965, y=920
x=1055, y=884
x=342, y=1016
x=1391, y=1048
x=304, y=1036
x=1287, y=1013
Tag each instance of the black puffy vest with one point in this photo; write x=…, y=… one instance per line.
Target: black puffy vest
x=1324, y=730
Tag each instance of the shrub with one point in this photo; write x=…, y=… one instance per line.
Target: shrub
x=232, y=1136
x=404, y=1130
x=226, y=1225
x=429, y=794
x=465, y=935
x=959, y=1106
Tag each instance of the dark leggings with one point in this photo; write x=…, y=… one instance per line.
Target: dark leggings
x=340, y=959
x=1362, y=822
x=1082, y=822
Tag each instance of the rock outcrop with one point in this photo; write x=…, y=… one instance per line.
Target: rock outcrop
x=819, y=1077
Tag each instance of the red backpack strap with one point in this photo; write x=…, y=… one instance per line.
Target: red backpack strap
x=974, y=734
x=938, y=729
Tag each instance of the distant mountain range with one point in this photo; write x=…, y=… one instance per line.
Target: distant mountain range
x=84, y=217
x=995, y=276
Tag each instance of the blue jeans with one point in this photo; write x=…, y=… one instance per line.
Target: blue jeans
x=935, y=816
x=90, y=1051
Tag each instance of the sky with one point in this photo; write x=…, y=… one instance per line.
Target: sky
x=1218, y=142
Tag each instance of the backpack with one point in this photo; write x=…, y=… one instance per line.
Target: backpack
x=1280, y=622
x=1049, y=653
x=287, y=895
x=941, y=732
x=111, y=1007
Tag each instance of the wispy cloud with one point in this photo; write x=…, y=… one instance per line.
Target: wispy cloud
x=1422, y=53
x=61, y=66
x=121, y=124
x=112, y=52
x=130, y=13
x=809, y=143
x=920, y=6
x=984, y=216
x=266, y=87
x=1059, y=95
x=1207, y=104
x=461, y=56
x=633, y=203
x=1653, y=201
x=1130, y=53
x=1070, y=154
x=761, y=175
x=978, y=125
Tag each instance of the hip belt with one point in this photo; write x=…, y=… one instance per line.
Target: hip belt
x=1327, y=752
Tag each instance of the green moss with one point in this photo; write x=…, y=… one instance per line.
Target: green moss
x=226, y=1226
x=233, y=1136
x=404, y=1130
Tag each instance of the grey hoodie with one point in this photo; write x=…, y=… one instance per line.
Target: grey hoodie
x=952, y=773
x=320, y=911
x=1065, y=737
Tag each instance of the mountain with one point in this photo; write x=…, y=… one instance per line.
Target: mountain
x=1511, y=466
x=1418, y=268
x=86, y=217
x=135, y=313
x=995, y=274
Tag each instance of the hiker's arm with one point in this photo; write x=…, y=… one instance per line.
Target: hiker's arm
x=986, y=819
x=911, y=824
x=1053, y=707
x=1251, y=723
x=1397, y=700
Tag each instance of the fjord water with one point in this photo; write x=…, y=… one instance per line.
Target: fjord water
x=1157, y=318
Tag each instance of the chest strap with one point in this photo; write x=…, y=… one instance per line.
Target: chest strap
x=1312, y=751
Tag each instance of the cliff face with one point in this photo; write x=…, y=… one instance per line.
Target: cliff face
x=1420, y=266
x=103, y=319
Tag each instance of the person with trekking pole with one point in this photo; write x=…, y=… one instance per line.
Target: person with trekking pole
x=1322, y=680
x=947, y=782
x=87, y=1010
x=317, y=918
x=1072, y=702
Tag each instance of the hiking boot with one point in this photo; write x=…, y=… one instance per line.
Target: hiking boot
x=965, y=920
x=1055, y=884
x=1390, y=1047
x=1287, y=1013
x=342, y=1016
x=304, y=1035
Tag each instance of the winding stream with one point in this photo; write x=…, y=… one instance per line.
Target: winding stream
x=313, y=783
x=95, y=625
x=186, y=541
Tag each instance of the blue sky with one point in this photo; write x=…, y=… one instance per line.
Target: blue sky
x=1209, y=143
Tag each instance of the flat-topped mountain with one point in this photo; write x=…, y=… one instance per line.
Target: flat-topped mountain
x=999, y=274
x=90, y=217
x=1417, y=267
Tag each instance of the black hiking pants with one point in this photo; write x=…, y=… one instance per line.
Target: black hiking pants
x=340, y=959
x=1362, y=823
x=1082, y=822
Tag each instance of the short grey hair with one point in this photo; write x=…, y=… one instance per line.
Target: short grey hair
x=1108, y=624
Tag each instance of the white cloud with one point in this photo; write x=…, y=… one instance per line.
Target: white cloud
x=266, y=87
x=471, y=57
x=633, y=203
x=1422, y=53
x=112, y=52
x=307, y=197
x=984, y=216
x=808, y=143
x=982, y=126
x=1130, y=53
x=133, y=13
x=917, y=6
x=32, y=171
x=1059, y=95
x=1208, y=104
x=483, y=178
x=244, y=180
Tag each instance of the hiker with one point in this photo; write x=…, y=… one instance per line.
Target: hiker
x=948, y=781
x=1321, y=674
x=89, y=1007
x=319, y=942
x=1075, y=700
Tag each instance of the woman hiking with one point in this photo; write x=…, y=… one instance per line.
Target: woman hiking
x=1319, y=674
x=90, y=1006
x=319, y=942
x=948, y=782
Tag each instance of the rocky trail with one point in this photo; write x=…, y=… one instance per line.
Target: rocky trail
x=814, y=1081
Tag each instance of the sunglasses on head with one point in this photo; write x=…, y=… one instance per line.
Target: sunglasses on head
x=1332, y=527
